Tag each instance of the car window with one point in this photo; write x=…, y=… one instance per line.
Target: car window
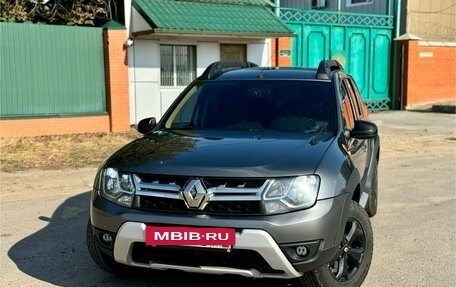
x=276, y=105
x=352, y=98
x=183, y=115
x=347, y=110
x=357, y=96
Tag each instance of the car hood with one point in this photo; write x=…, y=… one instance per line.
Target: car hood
x=235, y=154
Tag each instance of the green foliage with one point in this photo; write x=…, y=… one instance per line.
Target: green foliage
x=67, y=12
x=9, y=12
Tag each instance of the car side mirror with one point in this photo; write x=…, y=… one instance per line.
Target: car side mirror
x=146, y=125
x=364, y=130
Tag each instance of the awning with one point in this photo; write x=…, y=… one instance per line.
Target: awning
x=253, y=18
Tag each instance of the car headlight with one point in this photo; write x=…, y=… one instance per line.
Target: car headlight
x=289, y=194
x=117, y=186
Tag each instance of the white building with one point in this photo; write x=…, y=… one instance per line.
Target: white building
x=171, y=42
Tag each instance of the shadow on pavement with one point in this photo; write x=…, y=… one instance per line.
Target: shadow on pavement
x=57, y=254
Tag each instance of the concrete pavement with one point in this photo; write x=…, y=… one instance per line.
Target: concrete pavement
x=44, y=213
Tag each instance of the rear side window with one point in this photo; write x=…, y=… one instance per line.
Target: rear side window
x=363, y=112
x=353, y=102
x=347, y=109
x=276, y=105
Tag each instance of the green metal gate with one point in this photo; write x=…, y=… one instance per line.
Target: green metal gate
x=360, y=42
x=51, y=70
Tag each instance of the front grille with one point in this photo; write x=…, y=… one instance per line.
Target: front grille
x=195, y=257
x=209, y=182
x=233, y=182
x=234, y=207
x=163, y=179
x=213, y=207
x=230, y=196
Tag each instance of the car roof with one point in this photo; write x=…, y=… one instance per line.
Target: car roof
x=269, y=73
x=235, y=70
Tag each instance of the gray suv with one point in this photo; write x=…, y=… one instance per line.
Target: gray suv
x=258, y=172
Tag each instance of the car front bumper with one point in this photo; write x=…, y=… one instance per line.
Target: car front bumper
x=273, y=237
x=258, y=240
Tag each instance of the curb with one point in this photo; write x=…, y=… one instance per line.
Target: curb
x=446, y=109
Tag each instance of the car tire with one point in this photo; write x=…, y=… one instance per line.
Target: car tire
x=352, y=262
x=371, y=205
x=103, y=260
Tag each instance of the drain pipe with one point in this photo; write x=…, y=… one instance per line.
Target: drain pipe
x=401, y=53
x=277, y=12
x=398, y=18
x=396, y=53
x=339, y=11
x=277, y=7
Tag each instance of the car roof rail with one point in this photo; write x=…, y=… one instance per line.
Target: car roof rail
x=326, y=67
x=217, y=68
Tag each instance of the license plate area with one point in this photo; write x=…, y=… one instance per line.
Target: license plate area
x=200, y=237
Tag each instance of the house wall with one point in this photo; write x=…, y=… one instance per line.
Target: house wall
x=147, y=98
x=430, y=73
x=432, y=20
x=144, y=74
x=380, y=7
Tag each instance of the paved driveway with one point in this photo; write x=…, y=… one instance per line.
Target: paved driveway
x=44, y=214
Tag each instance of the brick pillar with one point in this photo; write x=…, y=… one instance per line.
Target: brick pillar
x=284, y=52
x=411, y=48
x=430, y=75
x=281, y=52
x=116, y=73
x=274, y=46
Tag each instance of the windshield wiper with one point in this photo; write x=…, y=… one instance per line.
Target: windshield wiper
x=184, y=127
x=261, y=130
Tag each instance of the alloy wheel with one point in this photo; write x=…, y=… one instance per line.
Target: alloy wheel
x=351, y=252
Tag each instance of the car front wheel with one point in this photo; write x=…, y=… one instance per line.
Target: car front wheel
x=350, y=265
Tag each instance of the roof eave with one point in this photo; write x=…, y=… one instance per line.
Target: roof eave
x=208, y=33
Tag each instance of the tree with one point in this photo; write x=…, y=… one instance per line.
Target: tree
x=67, y=12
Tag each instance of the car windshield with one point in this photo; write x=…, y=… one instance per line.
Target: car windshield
x=297, y=106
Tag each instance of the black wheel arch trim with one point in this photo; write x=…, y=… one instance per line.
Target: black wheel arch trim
x=374, y=148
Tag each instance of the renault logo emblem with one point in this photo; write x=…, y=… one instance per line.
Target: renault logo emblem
x=195, y=194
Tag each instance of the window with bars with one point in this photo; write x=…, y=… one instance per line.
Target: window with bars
x=177, y=65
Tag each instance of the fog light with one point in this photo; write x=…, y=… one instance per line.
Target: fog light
x=106, y=238
x=302, y=251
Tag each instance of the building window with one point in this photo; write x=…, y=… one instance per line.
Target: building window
x=318, y=4
x=351, y=3
x=177, y=65
x=233, y=52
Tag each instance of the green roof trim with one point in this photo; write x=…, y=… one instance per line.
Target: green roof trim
x=236, y=2
x=211, y=17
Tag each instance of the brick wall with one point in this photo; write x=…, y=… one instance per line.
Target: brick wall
x=117, y=100
x=53, y=126
x=430, y=73
x=278, y=44
x=116, y=68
